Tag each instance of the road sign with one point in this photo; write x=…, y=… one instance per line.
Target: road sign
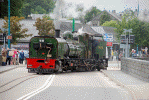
x=9, y=37
x=130, y=30
x=108, y=37
x=6, y=38
x=124, y=39
x=109, y=44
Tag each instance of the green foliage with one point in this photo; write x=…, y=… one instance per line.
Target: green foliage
x=91, y=13
x=68, y=35
x=141, y=32
x=38, y=7
x=15, y=8
x=45, y=27
x=139, y=28
x=104, y=17
x=110, y=23
x=15, y=28
x=70, y=19
x=47, y=17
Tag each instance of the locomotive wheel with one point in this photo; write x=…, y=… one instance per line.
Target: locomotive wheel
x=98, y=68
x=93, y=69
x=58, y=68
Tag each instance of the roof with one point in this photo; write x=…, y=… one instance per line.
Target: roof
x=65, y=26
x=112, y=14
x=88, y=29
x=104, y=29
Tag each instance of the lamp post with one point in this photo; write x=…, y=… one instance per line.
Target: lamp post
x=8, y=23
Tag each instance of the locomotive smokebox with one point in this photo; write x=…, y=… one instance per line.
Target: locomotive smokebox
x=57, y=33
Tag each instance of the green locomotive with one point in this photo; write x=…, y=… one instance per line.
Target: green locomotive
x=49, y=54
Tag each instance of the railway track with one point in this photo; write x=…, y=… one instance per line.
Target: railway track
x=15, y=82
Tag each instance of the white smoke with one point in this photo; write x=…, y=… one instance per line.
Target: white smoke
x=57, y=13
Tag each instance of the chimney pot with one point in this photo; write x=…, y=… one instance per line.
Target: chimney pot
x=113, y=11
x=57, y=33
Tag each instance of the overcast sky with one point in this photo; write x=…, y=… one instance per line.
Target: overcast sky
x=118, y=5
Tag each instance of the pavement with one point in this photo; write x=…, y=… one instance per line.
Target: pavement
x=137, y=88
x=9, y=67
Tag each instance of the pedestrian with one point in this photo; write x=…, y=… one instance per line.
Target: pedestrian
x=114, y=57
x=13, y=57
x=135, y=54
x=8, y=57
x=4, y=55
x=21, y=57
x=132, y=52
x=117, y=56
x=112, y=54
x=17, y=58
x=120, y=56
x=143, y=53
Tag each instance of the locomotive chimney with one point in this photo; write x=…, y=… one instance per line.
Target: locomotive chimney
x=57, y=33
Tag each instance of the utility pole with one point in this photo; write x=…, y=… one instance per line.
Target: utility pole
x=126, y=40
x=8, y=23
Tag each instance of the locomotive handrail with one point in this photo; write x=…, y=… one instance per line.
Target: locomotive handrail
x=49, y=50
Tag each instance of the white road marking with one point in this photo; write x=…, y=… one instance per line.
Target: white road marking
x=112, y=84
x=46, y=85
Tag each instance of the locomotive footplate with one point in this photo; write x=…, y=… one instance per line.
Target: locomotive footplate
x=81, y=68
x=35, y=70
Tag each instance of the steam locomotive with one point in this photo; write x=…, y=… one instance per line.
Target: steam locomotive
x=54, y=54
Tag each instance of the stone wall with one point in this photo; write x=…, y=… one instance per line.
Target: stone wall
x=136, y=67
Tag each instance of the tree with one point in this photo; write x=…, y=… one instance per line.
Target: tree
x=37, y=7
x=110, y=23
x=139, y=28
x=141, y=32
x=45, y=27
x=47, y=17
x=38, y=10
x=15, y=28
x=91, y=13
x=104, y=17
x=15, y=8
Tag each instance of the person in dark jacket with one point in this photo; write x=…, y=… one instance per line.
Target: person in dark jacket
x=21, y=57
x=4, y=55
x=8, y=57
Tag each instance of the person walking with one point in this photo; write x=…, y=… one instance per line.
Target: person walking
x=114, y=57
x=17, y=58
x=120, y=56
x=21, y=57
x=8, y=57
x=13, y=57
x=132, y=52
x=117, y=56
x=4, y=55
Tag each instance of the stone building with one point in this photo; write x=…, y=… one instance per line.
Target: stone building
x=113, y=16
